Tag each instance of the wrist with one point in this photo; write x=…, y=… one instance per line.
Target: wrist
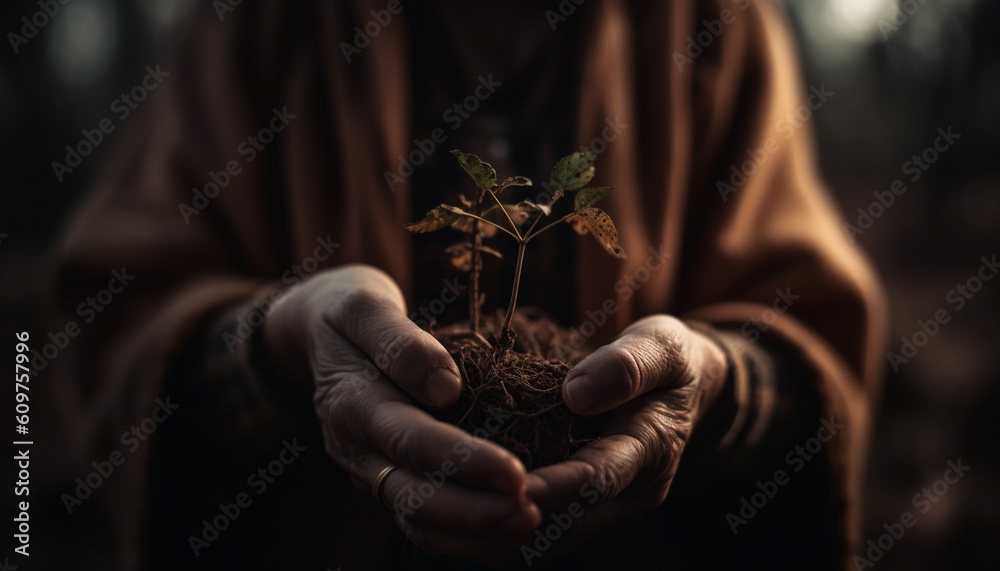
x=285, y=342
x=720, y=413
x=712, y=369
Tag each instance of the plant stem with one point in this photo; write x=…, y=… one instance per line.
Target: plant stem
x=522, y=243
x=532, y=227
x=544, y=228
x=517, y=284
x=509, y=219
x=477, y=266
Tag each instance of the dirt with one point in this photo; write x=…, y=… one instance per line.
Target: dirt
x=512, y=386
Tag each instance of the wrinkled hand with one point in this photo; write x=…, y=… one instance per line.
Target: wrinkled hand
x=347, y=332
x=658, y=378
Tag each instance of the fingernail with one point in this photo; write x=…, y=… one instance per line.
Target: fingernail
x=581, y=394
x=441, y=386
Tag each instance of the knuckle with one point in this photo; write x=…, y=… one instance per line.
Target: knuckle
x=668, y=350
x=394, y=347
x=400, y=444
x=609, y=480
x=339, y=432
x=357, y=305
x=628, y=368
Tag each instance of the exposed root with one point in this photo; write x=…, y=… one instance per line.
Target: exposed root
x=512, y=389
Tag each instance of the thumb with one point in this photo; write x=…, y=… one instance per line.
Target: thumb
x=410, y=357
x=651, y=353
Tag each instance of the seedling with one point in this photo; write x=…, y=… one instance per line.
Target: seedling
x=519, y=220
x=526, y=384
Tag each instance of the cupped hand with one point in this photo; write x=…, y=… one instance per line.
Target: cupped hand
x=657, y=379
x=346, y=331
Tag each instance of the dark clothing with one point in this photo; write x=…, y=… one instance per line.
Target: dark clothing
x=674, y=129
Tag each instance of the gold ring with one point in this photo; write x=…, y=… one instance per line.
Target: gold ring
x=380, y=480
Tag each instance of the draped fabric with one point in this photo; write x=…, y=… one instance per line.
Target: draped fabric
x=689, y=123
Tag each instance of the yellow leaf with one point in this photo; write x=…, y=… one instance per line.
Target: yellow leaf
x=438, y=218
x=590, y=196
x=603, y=229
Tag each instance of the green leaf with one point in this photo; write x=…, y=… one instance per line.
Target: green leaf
x=438, y=218
x=574, y=171
x=590, y=196
x=513, y=181
x=480, y=171
x=602, y=228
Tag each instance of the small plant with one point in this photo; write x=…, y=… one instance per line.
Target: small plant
x=526, y=385
x=570, y=174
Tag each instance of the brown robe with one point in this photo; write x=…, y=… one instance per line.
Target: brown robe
x=323, y=176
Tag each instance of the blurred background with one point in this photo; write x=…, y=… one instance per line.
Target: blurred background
x=899, y=71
